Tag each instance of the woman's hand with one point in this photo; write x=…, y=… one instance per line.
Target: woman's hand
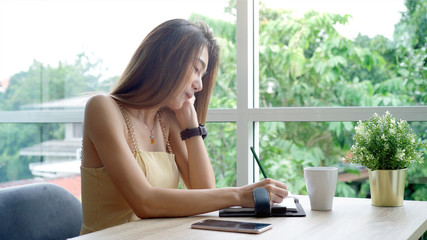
x=277, y=191
x=186, y=115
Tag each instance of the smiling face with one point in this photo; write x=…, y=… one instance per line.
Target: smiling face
x=192, y=83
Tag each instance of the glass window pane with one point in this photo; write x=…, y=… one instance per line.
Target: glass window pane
x=41, y=152
x=55, y=50
x=287, y=147
x=342, y=53
x=221, y=145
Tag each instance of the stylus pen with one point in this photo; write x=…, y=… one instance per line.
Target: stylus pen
x=259, y=162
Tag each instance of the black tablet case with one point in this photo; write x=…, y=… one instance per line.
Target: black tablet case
x=263, y=209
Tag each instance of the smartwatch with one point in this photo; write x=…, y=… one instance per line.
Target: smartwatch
x=198, y=131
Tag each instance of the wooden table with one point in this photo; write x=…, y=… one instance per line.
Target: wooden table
x=350, y=218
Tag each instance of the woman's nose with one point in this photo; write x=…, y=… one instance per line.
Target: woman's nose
x=197, y=85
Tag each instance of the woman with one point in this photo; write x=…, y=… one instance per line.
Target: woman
x=141, y=138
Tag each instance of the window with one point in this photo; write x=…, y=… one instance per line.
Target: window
x=317, y=77
x=273, y=73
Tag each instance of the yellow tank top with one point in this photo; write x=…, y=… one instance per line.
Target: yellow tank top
x=103, y=204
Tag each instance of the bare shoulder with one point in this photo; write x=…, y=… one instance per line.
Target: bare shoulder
x=100, y=105
x=98, y=101
x=101, y=110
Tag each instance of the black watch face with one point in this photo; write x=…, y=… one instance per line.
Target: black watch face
x=203, y=130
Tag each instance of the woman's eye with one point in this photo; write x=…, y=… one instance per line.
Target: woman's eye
x=196, y=69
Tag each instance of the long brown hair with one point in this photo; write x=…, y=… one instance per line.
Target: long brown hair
x=161, y=62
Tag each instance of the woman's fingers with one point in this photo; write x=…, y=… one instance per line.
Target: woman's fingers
x=278, y=197
x=277, y=190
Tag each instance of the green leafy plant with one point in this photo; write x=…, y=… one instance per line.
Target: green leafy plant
x=384, y=143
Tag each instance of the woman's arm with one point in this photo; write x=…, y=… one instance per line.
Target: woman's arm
x=179, y=202
x=191, y=155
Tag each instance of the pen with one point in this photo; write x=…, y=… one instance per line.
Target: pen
x=259, y=162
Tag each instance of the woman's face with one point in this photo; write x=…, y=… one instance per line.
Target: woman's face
x=192, y=83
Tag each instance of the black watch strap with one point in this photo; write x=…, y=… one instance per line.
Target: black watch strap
x=262, y=202
x=198, y=131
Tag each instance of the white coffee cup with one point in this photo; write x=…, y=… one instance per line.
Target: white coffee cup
x=321, y=183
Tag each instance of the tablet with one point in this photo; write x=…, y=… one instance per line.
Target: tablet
x=232, y=226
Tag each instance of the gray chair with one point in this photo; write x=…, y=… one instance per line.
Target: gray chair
x=39, y=211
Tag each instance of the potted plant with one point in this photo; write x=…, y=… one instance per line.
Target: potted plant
x=386, y=147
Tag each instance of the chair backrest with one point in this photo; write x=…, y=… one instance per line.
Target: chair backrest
x=39, y=211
